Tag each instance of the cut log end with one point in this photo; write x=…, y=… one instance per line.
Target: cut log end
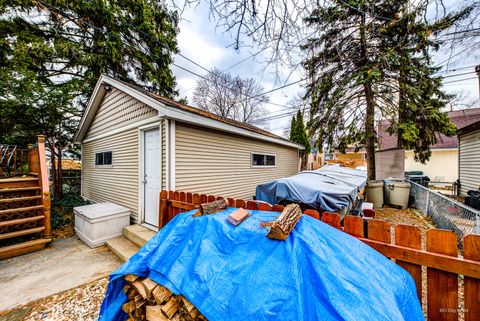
x=283, y=226
x=213, y=207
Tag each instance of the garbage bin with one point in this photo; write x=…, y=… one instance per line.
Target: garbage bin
x=473, y=199
x=397, y=192
x=419, y=179
x=375, y=193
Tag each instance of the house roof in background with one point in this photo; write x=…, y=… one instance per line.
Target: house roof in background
x=469, y=128
x=170, y=109
x=460, y=118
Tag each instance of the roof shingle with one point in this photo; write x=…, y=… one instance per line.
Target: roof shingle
x=460, y=118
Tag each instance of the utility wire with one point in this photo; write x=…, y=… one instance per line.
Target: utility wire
x=462, y=74
x=459, y=80
x=459, y=31
x=183, y=56
x=456, y=69
x=458, y=53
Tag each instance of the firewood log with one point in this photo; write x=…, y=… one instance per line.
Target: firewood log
x=213, y=207
x=281, y=228
x=154, y=313
x=129, y=307
x=150, y=301
x=161, y=294
x=130, y=278
x=149, y=286
x=140, y=288
x=171, y=307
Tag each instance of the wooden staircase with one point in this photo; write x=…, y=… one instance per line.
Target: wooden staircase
x=25, y=207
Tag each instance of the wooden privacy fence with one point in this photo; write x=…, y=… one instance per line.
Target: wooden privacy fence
x=444, y=267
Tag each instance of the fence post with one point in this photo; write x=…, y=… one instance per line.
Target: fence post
x=427, y=202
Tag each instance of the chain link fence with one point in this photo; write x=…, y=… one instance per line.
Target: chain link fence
x=446, y=212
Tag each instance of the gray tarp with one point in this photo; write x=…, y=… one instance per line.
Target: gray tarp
x=329, y=188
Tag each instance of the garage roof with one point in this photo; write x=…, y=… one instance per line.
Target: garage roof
x=173, y=110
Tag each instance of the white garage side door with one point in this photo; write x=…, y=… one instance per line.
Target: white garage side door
x=152, y=175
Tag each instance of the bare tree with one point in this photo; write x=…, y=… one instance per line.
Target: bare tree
x=231, y=97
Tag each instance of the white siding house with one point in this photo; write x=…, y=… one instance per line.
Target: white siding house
x=469, y=158
x=135, y=143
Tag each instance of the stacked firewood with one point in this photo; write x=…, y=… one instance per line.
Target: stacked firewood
x=150, y=301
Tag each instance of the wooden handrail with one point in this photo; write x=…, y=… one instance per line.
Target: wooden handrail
x=44, y=185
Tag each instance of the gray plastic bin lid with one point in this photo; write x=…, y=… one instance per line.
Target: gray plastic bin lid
x=98, y=210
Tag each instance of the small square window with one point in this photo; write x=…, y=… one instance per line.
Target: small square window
x=103, y=158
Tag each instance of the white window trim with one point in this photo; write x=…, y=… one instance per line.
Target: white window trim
x=102, y=166
x=262, y=166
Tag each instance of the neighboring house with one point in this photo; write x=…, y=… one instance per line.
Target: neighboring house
x=443, y=163
x=314, y=159
x=136, y=143
x=469, y=157
x=351, y=158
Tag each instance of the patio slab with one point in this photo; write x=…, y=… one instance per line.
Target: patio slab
x=65, y=264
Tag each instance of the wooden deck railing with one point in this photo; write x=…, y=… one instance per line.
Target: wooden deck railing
x=439, y=254
x=37, y=166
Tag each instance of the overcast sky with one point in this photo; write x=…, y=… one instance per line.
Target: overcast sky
x=202, y=42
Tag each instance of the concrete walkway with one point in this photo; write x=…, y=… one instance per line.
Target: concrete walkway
x=64, y=265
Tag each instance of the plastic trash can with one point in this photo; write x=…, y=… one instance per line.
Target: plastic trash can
x=375, y=193
x=473, y=199
x=397, y=193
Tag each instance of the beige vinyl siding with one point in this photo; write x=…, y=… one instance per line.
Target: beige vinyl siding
x=118, y=110
x=218, y=163
x=469, y=161
x=117, y=183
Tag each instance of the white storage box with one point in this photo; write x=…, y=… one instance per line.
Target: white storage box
x=97, y=223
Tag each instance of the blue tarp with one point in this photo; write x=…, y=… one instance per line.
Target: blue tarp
x=329, y=188
x=237, y=273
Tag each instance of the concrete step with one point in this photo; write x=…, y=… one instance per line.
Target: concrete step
x=122, y=247
x=138, y=234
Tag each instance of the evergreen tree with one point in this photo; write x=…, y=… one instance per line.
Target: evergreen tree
x=366, y=55
x=52, y=53
x=293, y=129
x=298, y=134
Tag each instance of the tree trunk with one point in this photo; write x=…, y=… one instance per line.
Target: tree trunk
x=370, y=108
x=59, y=175
x=370, y=131
x=53, y=171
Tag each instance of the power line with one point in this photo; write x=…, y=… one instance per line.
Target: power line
x=458, y=53
x=462, y=74
x=242, y=61
x=459, y=80
x=459, y=31
x=456, y=69
x=282, y=87
x=192, y=61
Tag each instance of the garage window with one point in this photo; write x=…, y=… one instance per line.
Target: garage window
x=263, y=160
x=103, y=158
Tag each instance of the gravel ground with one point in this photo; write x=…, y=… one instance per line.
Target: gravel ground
x=82, y=304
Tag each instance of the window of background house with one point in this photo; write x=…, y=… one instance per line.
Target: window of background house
x=103, y=158
x=263, y=160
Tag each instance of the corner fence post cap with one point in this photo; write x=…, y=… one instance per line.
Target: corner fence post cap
x=41, y=138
